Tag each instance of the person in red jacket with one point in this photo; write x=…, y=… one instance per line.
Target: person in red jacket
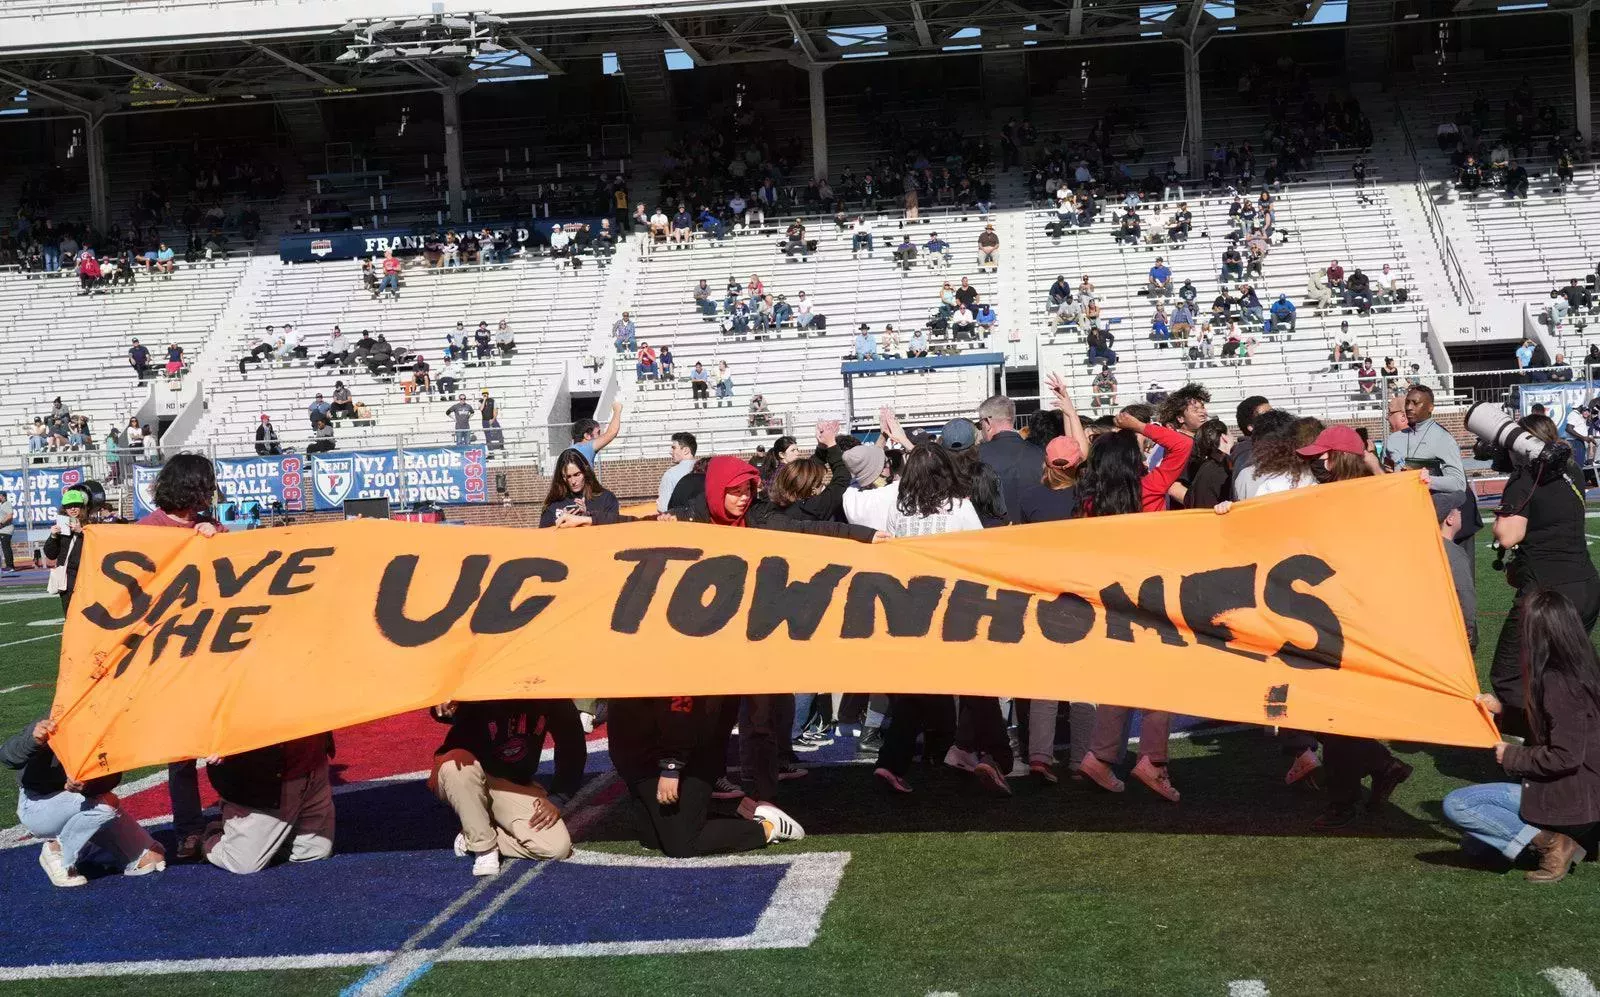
x=1115, y=481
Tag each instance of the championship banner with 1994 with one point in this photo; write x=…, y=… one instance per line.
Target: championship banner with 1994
x=442, y=475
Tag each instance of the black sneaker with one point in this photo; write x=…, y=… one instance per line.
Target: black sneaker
x=725, y=789
x=871, y=742
x=815, y=738
x=1385, y=782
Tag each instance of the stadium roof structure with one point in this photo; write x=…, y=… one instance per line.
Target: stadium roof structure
x=109, y=57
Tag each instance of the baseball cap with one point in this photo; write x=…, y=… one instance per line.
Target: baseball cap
x=74, y=497
x=1063, y=451
x=1339, y=439
x=958, y=434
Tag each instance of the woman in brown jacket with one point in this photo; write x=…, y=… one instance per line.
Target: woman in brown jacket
x=1560, y=764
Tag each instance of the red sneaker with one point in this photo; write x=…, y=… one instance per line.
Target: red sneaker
x=1100, y=773
x=989, y=775
x=893, y=781
x=1155, y=776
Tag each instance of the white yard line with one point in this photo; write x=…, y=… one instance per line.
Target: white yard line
x=1248, y=988
x=1570, y=982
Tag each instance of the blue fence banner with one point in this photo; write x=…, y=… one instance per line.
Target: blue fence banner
x=264, y=480
x=361, y=243
x=144, y=489
x=36, y=493
x=1557, y=397
x=441, y=475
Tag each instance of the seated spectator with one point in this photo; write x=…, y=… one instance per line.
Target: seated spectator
x=760, y=418
x=702, y=299
x=1250, y=305
x=699, y=386
x=484, y=340
x=865, y=349
x=485, y=771
x=1358, y=291
x=1100, y=351
x=88, y=272
x=905, y=255
x=341, y=407
x=989, y=248
x=963, y=324
x=710, y=224
x=1129, y=230
x=164, y=259
x=1182, y=321
x=947, y=301
x=986, y=318
x=1283, y=316
x=1201, y=347
x=860, y=237
x=918, y=347
x=804, y=315
x=794, y=241
x=321, y=436
x=81, y=823
x=139, y=360
x=624, y=334
x=1160, y=284
x=318, y=409
x=1060, y=291
x=1318, y=289
x=338, y=351
x=1516, y=181
x=1179, y=226
x=1232, y=265
x=380, y=360
x=391, y=274
x=937, y=249
x=1335, y=275
x=1563, y=370
x=294, y=344
x=1367, y=379
x=660, y=227
x=266, y=343
x=1188, y=293
x=967, y=295
x=38, y=436
x=421, y=373
x=561, y=244
x=646, y=363
x=174, y=360
x=1160, y=329
x=1104, y=390
x=274, y=800
x=1389, y=286
x=504, y=340
x=267, y=438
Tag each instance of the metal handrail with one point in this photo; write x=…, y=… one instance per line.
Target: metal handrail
x=1454, y=272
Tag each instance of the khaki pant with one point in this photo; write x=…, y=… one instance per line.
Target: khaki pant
x=249, y=840
x=494, y=813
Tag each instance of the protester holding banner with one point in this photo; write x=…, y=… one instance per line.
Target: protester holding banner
x=589, y=439
x=183, y=494
x=576, y=497
x=80, y=822
x=485, y=772
x=1556, y=807
x=1115, y=482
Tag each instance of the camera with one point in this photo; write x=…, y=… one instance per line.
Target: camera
x=1502, y=440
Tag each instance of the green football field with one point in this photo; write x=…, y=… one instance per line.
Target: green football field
x=1060, y=890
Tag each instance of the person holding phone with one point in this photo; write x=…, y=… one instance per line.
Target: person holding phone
x=63, y=548
x=1423, y=444
x=576, y=497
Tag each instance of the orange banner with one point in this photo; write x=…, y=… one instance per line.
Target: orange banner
x=1290, y=610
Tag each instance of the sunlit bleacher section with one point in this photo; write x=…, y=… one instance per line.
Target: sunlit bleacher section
x=1316, y=225
x=56, y=343
x=798, y=375
x=551, y=312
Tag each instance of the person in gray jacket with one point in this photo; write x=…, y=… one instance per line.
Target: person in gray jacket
x=1425, y=444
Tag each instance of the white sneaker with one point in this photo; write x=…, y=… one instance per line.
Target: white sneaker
x=56, y=869
x=783, y=827
x=586, y=720
x=486, y=864
x=159, y=865
x=460, y=846
x=958, y=758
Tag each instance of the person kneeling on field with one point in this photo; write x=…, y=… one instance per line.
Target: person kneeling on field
x=80, y=821
x=485, y=771
x=274, y=800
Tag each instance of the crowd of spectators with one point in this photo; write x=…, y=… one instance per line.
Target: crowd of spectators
x=1485, y=157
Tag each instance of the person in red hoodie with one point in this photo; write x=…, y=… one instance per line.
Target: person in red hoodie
x=730, y=499
x=183, y=494
x=1116, y=481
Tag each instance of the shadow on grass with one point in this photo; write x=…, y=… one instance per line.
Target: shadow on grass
x=1235, y=788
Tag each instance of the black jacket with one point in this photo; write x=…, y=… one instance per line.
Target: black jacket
x=1017, y=463
x=762, y=515
x=39, y=770
x=660, y=733
x=827, y=505
x=254, y=779
x=506, y=736
x=1212, y=484
x=70, y=546
x=603, y=511
x=267, y=440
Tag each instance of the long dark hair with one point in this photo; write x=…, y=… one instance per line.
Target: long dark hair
x=186, y=485
x=770, y=463
x=983, y=485
x=558, y=481
x=931, y=481
x=1207, y=440
x=1554, y=642
x=1110, y=483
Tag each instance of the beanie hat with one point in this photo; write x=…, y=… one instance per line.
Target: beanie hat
x=865, y=464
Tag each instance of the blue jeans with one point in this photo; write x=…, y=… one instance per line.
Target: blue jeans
x=802, y=710
x=36, y=443
x=1491, y=814
x=391, y=282
x=627, y=343
x=641, y=369
x=724, y=389
x=88, y=830
x=463, y=437
x=52, y=259
x=859, y=240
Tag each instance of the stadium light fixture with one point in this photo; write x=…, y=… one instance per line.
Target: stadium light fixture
x=456, y=51
x=494, y=19
x=492, y=48
x=458, y=23
x=417, y=24
x=378, y=55
x=350, y=27
x=348, y=55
